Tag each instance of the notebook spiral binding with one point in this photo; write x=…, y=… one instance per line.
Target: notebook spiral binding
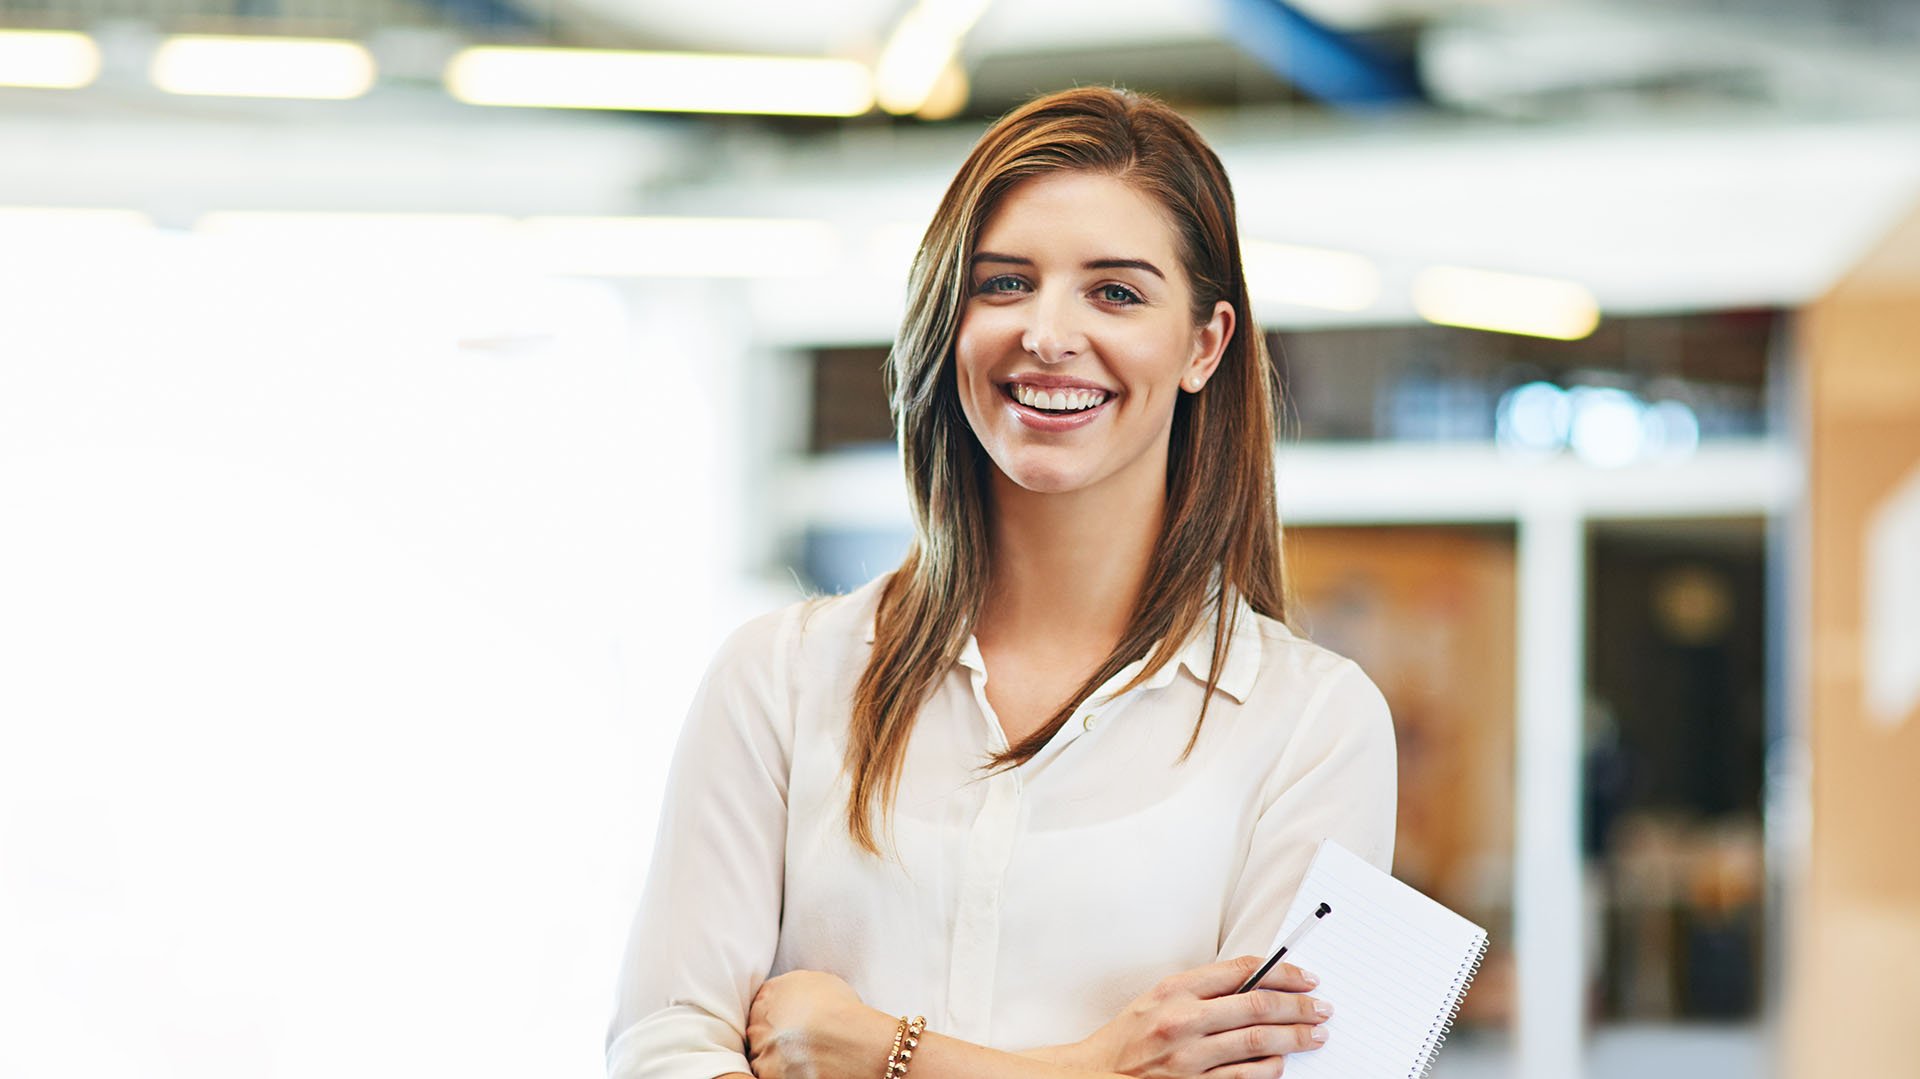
x=1437, y=1034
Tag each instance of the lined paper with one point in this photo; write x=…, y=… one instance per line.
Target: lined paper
x=1392, y=962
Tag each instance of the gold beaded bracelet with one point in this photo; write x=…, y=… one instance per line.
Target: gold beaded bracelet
x=893, y=1058
x=906, y=1038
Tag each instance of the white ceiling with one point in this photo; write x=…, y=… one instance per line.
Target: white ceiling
x=1655, y=202
x=792, y=27
x=1674, y=215
x=849, y=27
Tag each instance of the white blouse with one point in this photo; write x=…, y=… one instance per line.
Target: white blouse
x=1025, y=909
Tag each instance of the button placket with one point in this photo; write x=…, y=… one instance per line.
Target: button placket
x=995, y=733
x=976, y=932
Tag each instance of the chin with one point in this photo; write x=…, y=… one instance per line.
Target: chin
x=1050, y=487
x=1045, y=481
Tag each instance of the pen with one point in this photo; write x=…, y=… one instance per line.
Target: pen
x=1293, y=938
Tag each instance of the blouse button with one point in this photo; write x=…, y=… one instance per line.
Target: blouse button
x=1088, y=721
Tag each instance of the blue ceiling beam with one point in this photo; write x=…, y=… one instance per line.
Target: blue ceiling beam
x=1322, y=62
x=488, y=14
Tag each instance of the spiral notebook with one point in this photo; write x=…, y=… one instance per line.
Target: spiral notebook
x=1394, y=964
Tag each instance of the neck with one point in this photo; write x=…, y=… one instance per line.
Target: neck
x=1068, y=569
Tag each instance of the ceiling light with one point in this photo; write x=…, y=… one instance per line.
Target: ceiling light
x=919, y=52
x=263, y=67
x=1309, y=276
x=47, y=59
x=1505, y=303
x=659, y=81
x=948, y=95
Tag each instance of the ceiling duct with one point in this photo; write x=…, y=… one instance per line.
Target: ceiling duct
x=1550, y=60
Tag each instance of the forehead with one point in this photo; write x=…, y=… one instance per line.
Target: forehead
x=1078, y=216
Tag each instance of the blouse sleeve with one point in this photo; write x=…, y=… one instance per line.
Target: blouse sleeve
x=1337, y=778
x=703, y=939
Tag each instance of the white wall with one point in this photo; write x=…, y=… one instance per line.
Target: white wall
x=339, y=660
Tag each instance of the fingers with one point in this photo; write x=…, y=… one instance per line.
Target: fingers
x=1259, y=1043
x=756, y=1037
x=1222, y=978
x=1261, y=1007
x=1269, y=1068
x=1287, y=978
x=1247, y=1035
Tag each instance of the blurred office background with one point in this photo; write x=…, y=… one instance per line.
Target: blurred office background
x=398, y=402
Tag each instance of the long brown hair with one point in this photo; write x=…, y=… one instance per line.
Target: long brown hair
x=1220, y=506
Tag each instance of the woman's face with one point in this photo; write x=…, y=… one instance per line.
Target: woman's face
x=1077, y=337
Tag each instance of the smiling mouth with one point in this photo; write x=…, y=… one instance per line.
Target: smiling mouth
x=1056, y=402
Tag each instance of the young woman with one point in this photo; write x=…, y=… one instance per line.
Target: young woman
x=1052, y=782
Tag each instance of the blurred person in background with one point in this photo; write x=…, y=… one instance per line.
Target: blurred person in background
x=1072, y=865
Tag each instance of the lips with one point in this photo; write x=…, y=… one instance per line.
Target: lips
x=1035, y=419
x=1056, y=382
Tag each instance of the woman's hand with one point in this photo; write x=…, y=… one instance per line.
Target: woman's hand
x=1193, y=1023
x=808, y=1025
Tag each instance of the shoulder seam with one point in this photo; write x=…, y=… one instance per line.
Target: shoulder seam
x=1309, y=713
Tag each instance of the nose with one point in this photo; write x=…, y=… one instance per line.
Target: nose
x=1053, y=333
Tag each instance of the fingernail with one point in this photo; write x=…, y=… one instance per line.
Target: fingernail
x=1320, y=1034
x=1322, y=1009
x=1310, y=977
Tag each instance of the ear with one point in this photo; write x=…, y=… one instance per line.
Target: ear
x=1209, y=344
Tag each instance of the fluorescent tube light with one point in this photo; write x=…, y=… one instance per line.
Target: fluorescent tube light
x=263, y=67
x=659, y=81
x=1309, y=276
x=948, y=95
x=47, y=59
x=1505, y=302
x=921, y=48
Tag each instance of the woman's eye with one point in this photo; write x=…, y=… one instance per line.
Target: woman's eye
x=1003, y=283
x=1118, y=294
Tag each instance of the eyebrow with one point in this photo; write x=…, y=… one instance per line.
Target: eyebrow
x=1092, y=264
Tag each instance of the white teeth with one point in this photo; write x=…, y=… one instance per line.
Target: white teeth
x=1058, y=400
